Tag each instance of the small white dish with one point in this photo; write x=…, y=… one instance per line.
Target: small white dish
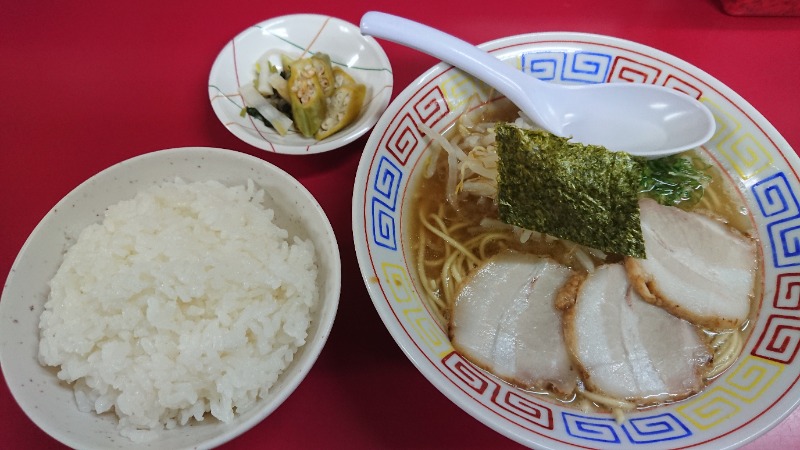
x=299, y=34
x=51, y=404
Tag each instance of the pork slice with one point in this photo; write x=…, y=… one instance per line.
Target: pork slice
x=628, y=349
x=504, y=320
x=697, y=267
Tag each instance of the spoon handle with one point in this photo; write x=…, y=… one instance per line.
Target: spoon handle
x=454, y=51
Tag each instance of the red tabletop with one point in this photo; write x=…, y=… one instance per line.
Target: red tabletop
x=89, y=83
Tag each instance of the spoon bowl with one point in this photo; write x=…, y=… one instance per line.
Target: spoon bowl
x=641, y=119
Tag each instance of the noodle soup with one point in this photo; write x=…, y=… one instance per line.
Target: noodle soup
x=454, y=229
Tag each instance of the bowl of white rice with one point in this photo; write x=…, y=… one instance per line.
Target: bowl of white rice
x=173, y=300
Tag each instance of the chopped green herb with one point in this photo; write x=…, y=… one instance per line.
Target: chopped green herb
x=675, y=180
x=583, y=193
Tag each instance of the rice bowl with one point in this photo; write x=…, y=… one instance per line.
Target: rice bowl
x=52, y=405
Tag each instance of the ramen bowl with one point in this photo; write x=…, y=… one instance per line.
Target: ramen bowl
x=50, y=403
x=745, y=401
x=299, y=35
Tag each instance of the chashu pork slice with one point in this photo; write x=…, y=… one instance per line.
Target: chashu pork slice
x=504, y=320
x=627, y=348
x=697, y=267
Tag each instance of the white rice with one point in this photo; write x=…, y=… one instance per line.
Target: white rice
x=187, y=299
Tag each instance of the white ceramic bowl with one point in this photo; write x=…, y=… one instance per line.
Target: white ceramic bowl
x=752, y=396
x=297, y=34
x=50, y=404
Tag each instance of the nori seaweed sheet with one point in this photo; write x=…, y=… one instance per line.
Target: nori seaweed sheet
x=583, y=193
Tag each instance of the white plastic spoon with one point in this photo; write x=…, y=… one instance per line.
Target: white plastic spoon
x=641, y=119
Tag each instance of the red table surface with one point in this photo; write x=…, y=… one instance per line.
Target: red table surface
x=89, y=83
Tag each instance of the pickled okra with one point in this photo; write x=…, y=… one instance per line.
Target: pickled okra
x=307, y=97
x=323, y=99
x=343, y=106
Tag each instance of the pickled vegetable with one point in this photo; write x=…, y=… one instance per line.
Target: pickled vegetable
x=322, y=99
x=343, y=108
x=307, y=97
x=266, y=110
